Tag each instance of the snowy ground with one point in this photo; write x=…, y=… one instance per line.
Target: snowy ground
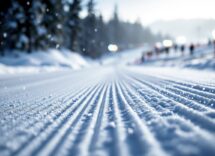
x=117, y=110
x=162, y=107
x=55, y=60
x=36, y=62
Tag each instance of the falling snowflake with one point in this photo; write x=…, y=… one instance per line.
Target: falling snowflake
x=4, y=35
x=57, y=46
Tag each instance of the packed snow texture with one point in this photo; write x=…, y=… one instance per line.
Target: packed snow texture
x=116, y=110
x=51, y=60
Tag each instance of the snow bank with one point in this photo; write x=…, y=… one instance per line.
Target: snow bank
x=52, y=60
x=207, y=62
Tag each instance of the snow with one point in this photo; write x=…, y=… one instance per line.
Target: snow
x=117, y=110
x=52, y=60
x=161, y=107
x=203, y=59
x=124, y=57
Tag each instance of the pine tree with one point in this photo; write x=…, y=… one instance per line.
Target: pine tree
x=39, y=30
x=138, y=31
x=102, y=37
x=116, y=31
x=116, y=26
x=53, y=21
x=5, y=7
x=74, y=24
x=16, y=27
x=27, y=26
x=89, y=46
x=23, y=24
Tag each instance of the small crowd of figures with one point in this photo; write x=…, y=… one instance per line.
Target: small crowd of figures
x=177, y=48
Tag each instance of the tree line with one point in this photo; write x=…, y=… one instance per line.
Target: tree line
x=33, y=25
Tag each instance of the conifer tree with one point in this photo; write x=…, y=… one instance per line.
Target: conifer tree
x=90, y=31
x=74, y=24
x=5, y=7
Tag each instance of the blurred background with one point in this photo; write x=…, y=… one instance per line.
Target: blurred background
x=192, y=19
x=95, y=29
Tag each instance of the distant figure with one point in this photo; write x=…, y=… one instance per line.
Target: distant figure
x=149, y=54
x=175, y=47
x=214, y=47
x=157, y=50
x=209, y=42
x=182, y=49
x=143, y=58
x=167, y=50
x=192, y=48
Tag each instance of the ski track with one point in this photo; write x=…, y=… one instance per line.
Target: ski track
x=115, y=111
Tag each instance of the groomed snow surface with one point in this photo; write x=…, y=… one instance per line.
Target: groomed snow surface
x=111, y=110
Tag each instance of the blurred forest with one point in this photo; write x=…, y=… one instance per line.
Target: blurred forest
x=33, y=25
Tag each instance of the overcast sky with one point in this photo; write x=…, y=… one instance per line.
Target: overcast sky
x=149, y=11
